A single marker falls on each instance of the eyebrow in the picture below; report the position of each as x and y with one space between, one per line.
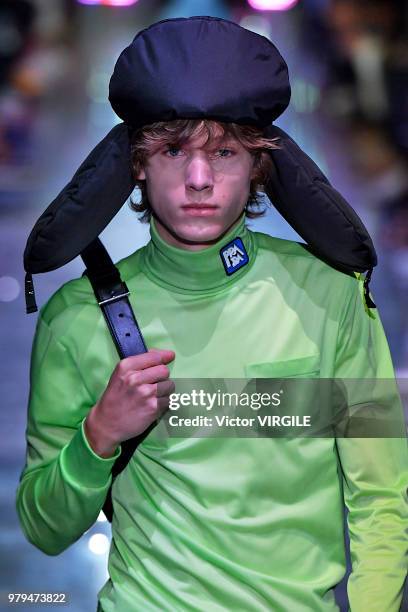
215 143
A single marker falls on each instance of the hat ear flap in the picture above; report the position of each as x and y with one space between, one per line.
85 206
316 211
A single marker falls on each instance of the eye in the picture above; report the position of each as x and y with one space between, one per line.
228 152
171 149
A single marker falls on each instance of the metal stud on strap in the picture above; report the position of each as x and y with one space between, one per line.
114 298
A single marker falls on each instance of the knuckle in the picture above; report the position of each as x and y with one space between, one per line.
164 371
120 367
146 391
134 379
152 405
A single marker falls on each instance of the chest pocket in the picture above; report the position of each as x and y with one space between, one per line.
299 387
301 367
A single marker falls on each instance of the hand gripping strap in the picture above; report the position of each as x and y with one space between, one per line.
112 296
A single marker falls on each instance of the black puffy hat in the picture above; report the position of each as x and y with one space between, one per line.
197 67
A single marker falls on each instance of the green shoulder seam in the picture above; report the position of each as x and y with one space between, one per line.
282 245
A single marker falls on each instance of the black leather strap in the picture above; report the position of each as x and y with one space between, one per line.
112 295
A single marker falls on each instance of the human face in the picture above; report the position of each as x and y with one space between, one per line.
198 193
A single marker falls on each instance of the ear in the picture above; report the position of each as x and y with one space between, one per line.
141 176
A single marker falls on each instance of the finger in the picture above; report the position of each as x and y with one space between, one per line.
148 376
165 388
145 360
162 405
166 355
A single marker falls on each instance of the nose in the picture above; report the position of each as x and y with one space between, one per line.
199 173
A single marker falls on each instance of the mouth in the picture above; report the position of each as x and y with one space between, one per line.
200 209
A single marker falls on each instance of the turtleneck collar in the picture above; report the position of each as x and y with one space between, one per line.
185 271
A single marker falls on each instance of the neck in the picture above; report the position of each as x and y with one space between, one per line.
174 240
208 269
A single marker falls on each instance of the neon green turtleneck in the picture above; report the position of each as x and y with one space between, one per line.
221 524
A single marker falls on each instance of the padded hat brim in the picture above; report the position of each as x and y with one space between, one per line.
103 182
315 209
85 206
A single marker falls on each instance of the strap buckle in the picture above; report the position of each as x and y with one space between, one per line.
114 298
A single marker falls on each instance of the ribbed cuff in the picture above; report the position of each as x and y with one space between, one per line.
82 466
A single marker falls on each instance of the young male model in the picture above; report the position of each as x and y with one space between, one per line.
212 523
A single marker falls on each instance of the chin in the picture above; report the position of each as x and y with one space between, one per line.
205 233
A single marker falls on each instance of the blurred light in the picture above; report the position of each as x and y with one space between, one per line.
98 544
9 288
99 116
101 517
10 38
272 5
98 86
189 8
305 96
257 24
109 2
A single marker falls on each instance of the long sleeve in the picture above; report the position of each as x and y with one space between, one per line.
374 469
64 483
